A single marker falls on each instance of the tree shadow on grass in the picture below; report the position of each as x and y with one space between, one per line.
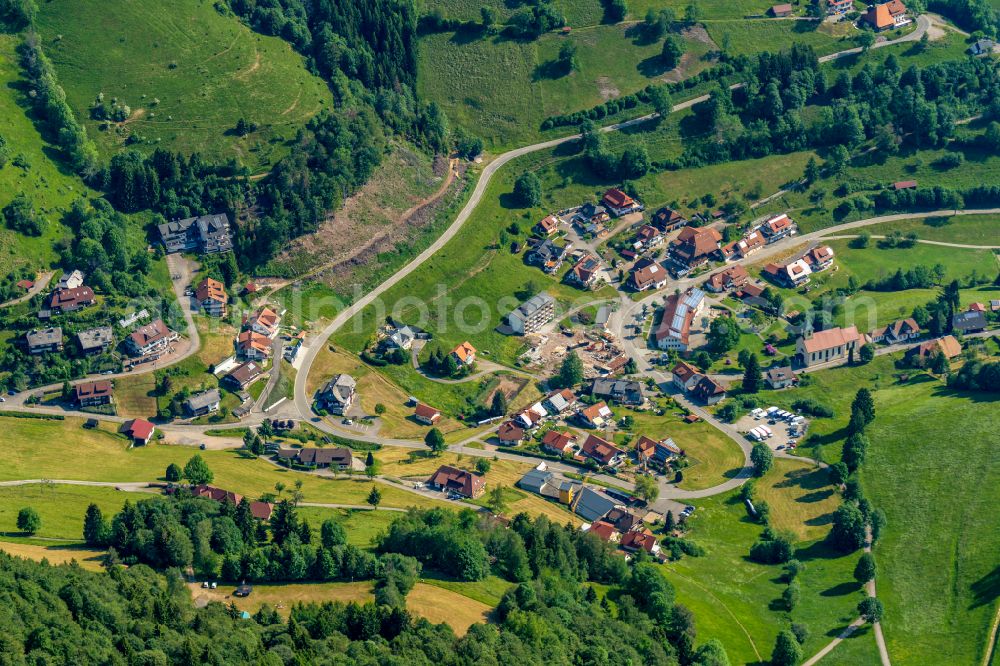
986 589
818 550
652 66
841 589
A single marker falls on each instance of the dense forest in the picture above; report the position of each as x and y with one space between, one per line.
550 613
136 616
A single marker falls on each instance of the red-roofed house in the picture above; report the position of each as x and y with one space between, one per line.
777 228
733 277
596 415
458 481
510 433
547 226
603 451
685 376
263 322
620 203
643 540
252 346
647 274
465 354
708 391
558 442
647 237
887 16
90 394
426 414
211 296
693 246
605 531
819 258
140 431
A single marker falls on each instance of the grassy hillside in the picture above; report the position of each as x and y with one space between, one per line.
205 69
502 89
932 468
32 169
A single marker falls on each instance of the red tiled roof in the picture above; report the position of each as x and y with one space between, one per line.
617 199
464 351
138 429
463 482
636 540
426 411
603 529
211 290
600 449
830 338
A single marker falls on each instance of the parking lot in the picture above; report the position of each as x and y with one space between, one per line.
782 432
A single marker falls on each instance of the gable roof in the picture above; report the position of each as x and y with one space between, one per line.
585 269
635 540
707 388
732 274
617 199
425 411
138 429
595 411
684 371
557 440
780 374
646 272
830 338
592 504
510 432
253 340
603 529
459 480
697 242
211 290
464 352
150 333
549 223
600 449
65 298
245 372
99 389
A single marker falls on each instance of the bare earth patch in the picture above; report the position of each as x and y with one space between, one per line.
607 89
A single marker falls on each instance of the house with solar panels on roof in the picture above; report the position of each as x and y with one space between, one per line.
679 313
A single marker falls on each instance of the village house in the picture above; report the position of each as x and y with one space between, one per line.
338 458
259 510
622 391
43 340
708 391
547 255
559 402
830 345
531 417
780 377
620 203
337 395
660 452
970 321
426 415
559 443
510 433
886 16
243 376
733 277
693 246
140 431
92 394
839 6
647 237
206 402
819 258
750 244
263 322
947 345
458 481
401 338
464 354
790 275
679 312
647 274
603 451
604 530
592 219
547 226
69 300
685 376
206 234
70 280
596 415
644 540
585 272
153 337
252 346
211 296
95 340
667 220
778 227
532 315
25 285
901 330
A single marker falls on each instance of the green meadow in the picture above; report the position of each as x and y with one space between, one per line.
188 73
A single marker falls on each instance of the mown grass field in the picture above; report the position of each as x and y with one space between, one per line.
102 455
53 503
932 469
750 37
968 229
32 169
85 557
206 69
738 601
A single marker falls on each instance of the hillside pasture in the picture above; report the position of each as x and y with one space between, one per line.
188 73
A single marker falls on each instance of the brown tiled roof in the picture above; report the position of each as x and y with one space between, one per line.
830 338
510 432
618 199
98 389
425 411
685 370
463 482
464 351
211 290
600 449
65 298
